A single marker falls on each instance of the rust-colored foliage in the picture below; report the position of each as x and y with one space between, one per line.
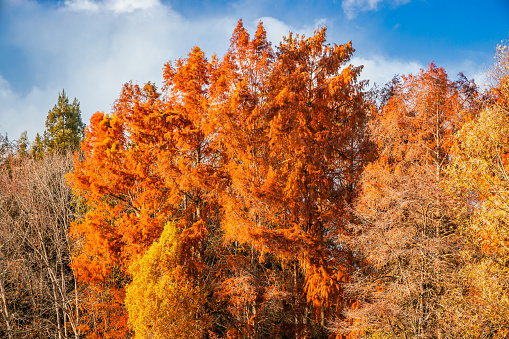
254 158
140 168
295 143
406 240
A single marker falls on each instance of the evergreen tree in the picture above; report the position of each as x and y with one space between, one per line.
5 150
22 145
37 149
64 128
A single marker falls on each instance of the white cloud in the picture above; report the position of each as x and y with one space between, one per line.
353 7
127 6
379 69
23 112
92 48
471 70
277 29
82 5
117 6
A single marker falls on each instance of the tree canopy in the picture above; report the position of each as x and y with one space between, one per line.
265 146
64 128
265 193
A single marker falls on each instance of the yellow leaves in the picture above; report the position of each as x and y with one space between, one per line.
161 300
478 174
488 286
480 166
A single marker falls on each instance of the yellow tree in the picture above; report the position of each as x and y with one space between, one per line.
162 302
479 173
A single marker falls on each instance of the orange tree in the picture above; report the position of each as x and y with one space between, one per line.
253 158
138 169
296 144
407 242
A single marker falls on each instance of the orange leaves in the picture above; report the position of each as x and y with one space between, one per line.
266 145
422 116
406 238
288 139
322 288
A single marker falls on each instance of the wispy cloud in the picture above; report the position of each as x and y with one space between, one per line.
379 70
117 6
353 7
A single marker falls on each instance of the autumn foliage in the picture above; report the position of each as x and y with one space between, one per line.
262 146
406 239
478 173
264 194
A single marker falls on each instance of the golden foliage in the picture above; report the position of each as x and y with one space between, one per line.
161 300
479 174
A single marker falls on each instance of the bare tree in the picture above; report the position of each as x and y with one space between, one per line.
38 292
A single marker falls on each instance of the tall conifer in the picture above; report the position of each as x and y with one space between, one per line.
64 128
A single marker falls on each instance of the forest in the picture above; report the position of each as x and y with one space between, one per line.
267 193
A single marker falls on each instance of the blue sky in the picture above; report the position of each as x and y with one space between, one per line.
92 47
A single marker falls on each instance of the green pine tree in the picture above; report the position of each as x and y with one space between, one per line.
22 145
37 149
64 128
6 149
